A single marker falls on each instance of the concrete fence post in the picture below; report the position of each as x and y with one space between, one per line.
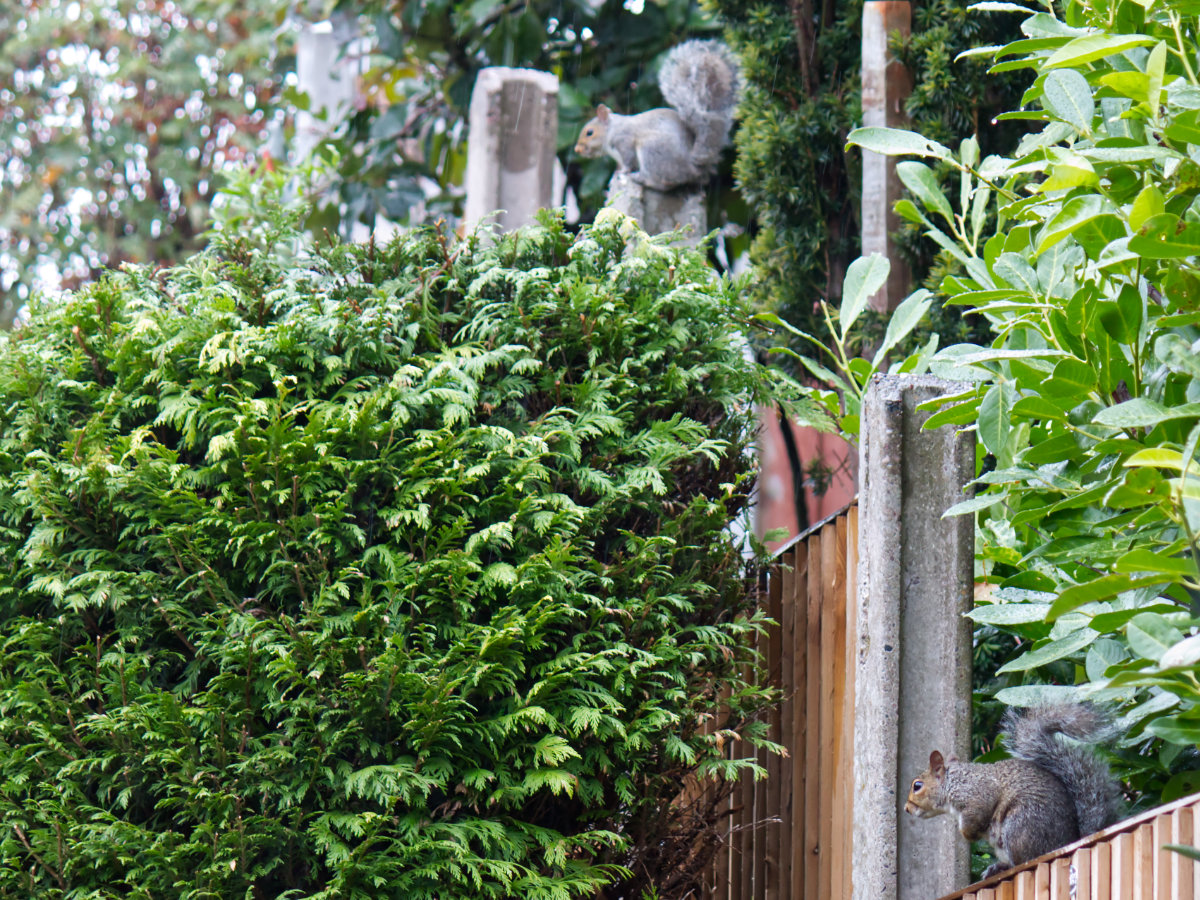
510 152
658 212
328 73
885 86
912 661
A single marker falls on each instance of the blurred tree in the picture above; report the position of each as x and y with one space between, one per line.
115 116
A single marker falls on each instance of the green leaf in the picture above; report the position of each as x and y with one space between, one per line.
995 417
1137 487
1141 412
1067 95
973 505
895 142
1071 378
1185 129
904 319
1143 560
1076 213
1150 636
1016 271
1050 651
921 181
1038 695
1135 85
1035 407
1166 237
1177 731
1102 655
1009 613
1148 203
1155 68
1178 355
1102 588
1094 46
864 278
1161 457
1184 654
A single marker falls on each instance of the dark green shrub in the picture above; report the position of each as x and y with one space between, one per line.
372 572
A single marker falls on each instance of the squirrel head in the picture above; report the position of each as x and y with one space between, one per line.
591 139
924 794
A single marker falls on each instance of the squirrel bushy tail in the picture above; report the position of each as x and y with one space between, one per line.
703 93
1034 736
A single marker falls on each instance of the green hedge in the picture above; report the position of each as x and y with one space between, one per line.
373 572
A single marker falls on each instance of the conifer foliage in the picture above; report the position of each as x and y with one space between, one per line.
374 571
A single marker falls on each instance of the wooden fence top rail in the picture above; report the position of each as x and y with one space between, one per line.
1125 825
812 529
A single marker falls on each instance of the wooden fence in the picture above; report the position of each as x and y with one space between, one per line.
1124 862
789 836
783 841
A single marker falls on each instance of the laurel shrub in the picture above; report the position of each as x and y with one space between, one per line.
363 571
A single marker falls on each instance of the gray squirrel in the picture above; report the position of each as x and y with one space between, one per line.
1049 794
666 148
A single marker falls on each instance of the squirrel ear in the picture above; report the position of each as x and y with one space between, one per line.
936 763
602 112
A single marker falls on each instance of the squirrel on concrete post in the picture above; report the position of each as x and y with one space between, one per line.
1049 794
664 149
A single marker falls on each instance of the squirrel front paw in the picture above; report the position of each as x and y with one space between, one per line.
994 869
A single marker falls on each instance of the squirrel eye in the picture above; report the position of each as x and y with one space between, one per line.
917 785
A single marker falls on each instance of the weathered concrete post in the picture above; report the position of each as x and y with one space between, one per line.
510 154
658 212
885 86
913 645
327 74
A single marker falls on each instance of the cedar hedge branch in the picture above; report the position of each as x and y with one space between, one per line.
375 571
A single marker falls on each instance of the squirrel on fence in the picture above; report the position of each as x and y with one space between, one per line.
666 148
1049 794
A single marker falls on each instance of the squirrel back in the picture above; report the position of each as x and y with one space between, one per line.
1034 737
665 148
1049 794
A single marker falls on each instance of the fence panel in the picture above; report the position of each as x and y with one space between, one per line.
1124 862
788 836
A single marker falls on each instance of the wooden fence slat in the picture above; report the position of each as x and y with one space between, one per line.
812 709
1025 885
799 861
1060 879
1007 890
1181 866
1041 882
756 834
1143 862
721 860
744 858
770 789
1195 838
1081 865
835 600
1162 858
845 766
787 713
833 608
1122 867
1102 872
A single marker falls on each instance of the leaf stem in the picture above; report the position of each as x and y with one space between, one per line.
1181 52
